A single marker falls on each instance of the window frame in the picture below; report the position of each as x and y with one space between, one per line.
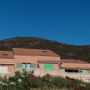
26 67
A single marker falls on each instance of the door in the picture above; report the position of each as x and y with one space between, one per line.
48 66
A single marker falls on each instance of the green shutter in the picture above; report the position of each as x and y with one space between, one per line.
19 65
84 71
48 66
33 65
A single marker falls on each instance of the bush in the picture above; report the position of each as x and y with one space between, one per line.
26 80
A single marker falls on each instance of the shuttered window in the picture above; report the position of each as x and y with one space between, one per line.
23 65
33 65
26 65
18 65
84 71
48 66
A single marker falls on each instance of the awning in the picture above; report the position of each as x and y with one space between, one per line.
49 62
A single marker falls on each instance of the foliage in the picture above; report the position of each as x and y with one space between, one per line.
26 80
65 51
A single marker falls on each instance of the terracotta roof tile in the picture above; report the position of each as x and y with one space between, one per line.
6 61
34 52
75 66
6 54
73 61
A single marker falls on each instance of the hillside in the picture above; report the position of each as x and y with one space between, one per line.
65 51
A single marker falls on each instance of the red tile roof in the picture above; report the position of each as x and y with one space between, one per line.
6 54
74 64
34 52
73 61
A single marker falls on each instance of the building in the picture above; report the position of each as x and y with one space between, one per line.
75 66
20 58
35 58
6 62
76 69
42 62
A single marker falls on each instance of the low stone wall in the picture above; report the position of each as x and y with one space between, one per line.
56 72
62 73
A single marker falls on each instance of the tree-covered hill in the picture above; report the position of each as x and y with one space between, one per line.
64 50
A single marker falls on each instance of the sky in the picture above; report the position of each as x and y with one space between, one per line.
66 21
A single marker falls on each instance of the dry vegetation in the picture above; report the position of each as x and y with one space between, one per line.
65 51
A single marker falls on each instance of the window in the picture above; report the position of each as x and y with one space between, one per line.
19 65
71 71
48 66
26 65
23 65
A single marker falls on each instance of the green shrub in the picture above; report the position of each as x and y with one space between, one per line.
26 80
